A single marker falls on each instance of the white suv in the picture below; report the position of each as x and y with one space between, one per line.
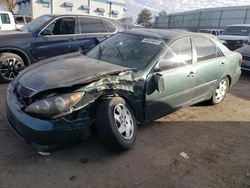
7 21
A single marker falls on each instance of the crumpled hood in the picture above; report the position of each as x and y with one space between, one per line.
232 37
64 71
14 37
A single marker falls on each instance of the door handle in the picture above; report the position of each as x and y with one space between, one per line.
191 74
222 64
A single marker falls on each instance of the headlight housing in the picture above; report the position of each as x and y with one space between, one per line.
54 106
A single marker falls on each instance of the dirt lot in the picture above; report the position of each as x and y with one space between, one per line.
216 139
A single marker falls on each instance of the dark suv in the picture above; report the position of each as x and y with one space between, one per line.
48 36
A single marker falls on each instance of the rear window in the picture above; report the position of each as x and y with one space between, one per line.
237 30
19 20
5 18
109 26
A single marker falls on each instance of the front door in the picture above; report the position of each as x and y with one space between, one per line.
58 38
177 70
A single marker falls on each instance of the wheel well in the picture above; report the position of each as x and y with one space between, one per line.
102 98
21 54
230 79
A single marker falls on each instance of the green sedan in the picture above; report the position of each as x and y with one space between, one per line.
131 78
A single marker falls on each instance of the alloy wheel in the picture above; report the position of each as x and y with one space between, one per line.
221 91
10 67
124 121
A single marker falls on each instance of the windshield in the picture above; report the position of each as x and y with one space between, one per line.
128 50
36 23
237 30
204 31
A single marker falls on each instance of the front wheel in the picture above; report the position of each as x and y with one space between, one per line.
10 66
220 92
116 124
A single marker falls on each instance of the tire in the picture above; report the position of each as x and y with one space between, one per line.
10 66
220 92
116 124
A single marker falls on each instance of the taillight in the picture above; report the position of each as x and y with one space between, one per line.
241 60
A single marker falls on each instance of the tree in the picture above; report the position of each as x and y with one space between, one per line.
163 13
9 4
144 17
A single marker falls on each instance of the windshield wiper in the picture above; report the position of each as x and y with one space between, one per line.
120 53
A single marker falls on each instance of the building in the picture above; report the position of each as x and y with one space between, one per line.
35 8
209 18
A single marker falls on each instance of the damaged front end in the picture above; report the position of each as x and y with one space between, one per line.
55 117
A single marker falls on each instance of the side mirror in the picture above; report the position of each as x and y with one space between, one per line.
46 32
160 83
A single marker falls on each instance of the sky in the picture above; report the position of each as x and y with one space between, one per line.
172 6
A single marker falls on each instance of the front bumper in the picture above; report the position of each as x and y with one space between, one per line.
45 135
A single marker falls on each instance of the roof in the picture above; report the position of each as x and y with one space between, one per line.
160 33
239 25
86 15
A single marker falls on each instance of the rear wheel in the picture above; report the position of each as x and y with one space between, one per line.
116 124
10 66
220 92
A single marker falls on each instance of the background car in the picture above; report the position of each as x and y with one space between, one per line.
22 20
235 36
245 52
133 77
215 32
49 36
7 21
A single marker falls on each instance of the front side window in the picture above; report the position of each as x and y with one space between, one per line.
128 50
62 26
5 18
179 54
205 49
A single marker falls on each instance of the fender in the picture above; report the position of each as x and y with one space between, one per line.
26 54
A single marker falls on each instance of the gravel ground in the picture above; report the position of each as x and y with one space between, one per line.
215 138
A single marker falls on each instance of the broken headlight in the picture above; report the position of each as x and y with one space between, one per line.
55 105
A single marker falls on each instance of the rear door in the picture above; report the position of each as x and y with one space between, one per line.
177 71
209 67
59 37
92 32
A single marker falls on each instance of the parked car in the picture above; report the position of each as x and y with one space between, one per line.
22 20
7 21
215 32
245 52
133 77
235 36
48 36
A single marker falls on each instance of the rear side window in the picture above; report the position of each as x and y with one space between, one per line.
109 26
179 54
205 49
92 25
5 18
